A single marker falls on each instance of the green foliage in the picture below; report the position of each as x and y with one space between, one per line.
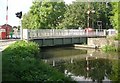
116 14
115 71
76 15
19 63
117 37
98 68
44 14
109 48
23 49
103 11
115 19
27 20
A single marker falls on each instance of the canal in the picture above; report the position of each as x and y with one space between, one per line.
83 64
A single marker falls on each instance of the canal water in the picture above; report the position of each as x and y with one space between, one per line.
83 64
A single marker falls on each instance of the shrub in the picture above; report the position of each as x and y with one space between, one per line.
22 49
20 64
117 37
108 48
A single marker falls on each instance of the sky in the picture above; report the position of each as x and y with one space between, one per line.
15 6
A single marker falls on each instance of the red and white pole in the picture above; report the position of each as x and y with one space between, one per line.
7 13
6 18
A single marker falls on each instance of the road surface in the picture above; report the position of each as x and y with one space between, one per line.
5 43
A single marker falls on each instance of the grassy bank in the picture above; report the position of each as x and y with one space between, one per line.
110 48
117 36
20 63
112 44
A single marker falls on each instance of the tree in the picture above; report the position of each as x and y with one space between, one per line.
98 68
115 17
76 15
44 14
26 21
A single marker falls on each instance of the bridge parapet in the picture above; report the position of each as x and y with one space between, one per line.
53 33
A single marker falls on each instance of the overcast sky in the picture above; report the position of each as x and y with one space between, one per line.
13 7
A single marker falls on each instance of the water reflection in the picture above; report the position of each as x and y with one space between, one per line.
82 66
94 69
60 52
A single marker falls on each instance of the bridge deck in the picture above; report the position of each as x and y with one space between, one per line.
61 33
52 37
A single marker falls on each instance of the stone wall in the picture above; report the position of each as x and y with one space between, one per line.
97 41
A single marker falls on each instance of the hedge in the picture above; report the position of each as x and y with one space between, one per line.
20 63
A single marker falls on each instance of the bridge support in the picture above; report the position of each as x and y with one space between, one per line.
99 42
60 41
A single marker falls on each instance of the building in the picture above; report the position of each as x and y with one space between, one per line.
6 29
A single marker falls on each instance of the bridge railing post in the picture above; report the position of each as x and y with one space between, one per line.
96 32
26 34
105 32
68 32
31 35
52 32
80 32
36 33
86 32
40 32
61 33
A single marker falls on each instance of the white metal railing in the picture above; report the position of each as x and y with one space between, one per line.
41 33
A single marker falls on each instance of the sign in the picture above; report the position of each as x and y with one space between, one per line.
2 30
99 23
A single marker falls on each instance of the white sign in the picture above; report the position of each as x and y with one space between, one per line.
2 30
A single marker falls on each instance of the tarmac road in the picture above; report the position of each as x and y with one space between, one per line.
6 42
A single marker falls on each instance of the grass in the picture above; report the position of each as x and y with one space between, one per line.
109 48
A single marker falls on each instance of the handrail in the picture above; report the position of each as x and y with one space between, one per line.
38 33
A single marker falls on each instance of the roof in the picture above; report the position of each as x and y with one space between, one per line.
5 25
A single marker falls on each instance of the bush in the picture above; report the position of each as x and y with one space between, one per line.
117 37
108 48
20 64
22 49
